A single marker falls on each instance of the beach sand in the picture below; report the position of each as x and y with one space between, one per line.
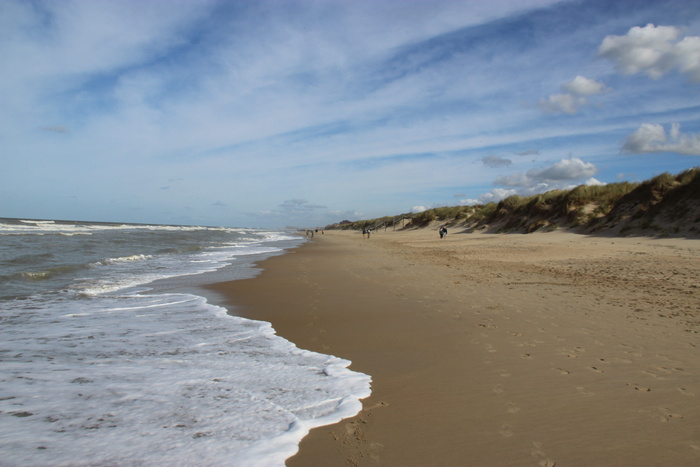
495 350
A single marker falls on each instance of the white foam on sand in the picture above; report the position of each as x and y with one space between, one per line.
163 379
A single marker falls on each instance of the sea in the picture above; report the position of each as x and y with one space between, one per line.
112 354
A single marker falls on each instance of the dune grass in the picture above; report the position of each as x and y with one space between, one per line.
664 205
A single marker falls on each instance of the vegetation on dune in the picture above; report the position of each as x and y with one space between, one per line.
666 205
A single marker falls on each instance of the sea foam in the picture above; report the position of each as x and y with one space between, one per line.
164 379
105 361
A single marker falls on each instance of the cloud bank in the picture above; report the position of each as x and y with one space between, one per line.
654 50
577 94
652 138
566 170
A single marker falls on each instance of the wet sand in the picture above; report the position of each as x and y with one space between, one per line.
493 350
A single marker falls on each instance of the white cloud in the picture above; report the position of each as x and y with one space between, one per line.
688 57
582 86
651 137
564 170
496 195
417 209
576 95
654 50
594 182
514 180
469 202
492 196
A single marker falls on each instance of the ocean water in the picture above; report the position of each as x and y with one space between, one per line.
109 355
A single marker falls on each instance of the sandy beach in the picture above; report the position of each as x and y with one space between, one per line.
492 350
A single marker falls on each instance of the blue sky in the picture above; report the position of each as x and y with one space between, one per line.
307 112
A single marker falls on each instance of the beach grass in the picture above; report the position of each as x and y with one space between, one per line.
666 205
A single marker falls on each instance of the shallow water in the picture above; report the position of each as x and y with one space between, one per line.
102 366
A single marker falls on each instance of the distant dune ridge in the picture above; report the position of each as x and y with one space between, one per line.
664 206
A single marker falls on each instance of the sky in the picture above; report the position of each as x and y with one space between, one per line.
308 112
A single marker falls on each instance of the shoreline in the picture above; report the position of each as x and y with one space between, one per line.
489 349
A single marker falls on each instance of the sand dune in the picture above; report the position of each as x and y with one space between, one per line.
541 349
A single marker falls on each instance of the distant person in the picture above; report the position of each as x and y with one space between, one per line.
364 233
368 232
443 232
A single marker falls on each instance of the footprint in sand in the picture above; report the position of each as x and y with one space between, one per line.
685 392
506 431
668 415
584 391
353 430
504 374
527 356
544 459
595 369
639 388
498 389
376 406
513 407
375 450
562 371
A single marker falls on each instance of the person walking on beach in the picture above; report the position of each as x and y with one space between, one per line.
443 232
